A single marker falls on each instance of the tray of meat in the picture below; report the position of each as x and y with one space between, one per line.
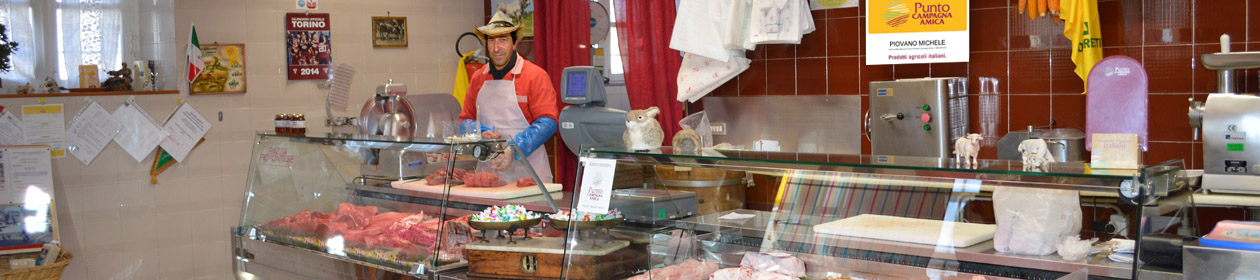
484 180
438 178
478 184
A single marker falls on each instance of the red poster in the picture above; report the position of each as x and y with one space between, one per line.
308 41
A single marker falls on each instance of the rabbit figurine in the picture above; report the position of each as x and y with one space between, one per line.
687 142
643 132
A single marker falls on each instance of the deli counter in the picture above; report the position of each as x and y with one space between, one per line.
312 211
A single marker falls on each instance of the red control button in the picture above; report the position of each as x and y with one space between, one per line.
925 117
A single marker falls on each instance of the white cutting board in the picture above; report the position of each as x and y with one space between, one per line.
921 231
508 191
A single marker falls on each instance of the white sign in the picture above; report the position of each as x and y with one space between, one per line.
185 129
45 124
90 131
11 130
597 181
23 168
917 31
139 134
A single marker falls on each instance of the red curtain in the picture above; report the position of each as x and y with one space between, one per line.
562 34
651 67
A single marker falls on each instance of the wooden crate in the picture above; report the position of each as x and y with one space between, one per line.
723 190
543 258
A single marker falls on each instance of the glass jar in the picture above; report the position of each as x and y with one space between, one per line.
299 124
281 126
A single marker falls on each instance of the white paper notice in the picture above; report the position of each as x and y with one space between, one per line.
139 134
25 167
597 180
45 124
11 130
184 129
90 131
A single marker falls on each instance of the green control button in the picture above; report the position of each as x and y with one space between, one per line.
927 127
927 108
1234 147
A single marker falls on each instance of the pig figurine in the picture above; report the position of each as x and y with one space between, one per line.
1035 154
965 150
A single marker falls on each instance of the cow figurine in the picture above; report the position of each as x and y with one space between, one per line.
1035 154
965 150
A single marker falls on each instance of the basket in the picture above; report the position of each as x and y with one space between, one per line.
52 271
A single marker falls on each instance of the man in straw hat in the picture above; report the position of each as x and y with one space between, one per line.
513 98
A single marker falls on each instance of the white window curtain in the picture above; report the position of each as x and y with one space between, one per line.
56 36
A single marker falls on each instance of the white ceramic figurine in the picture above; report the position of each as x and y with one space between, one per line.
643 132
1035 153
966 149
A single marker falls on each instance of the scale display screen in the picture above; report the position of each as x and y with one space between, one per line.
577 84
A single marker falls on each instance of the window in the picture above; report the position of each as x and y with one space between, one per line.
613 69
56 36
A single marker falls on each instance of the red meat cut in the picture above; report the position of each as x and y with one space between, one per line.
439 177
525 182
484 180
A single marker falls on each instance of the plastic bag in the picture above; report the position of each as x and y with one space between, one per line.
700 123
1033 221
1072 248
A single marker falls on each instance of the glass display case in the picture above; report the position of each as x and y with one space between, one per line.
884 217
363 206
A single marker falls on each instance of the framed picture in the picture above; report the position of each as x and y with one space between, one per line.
389 31
225 70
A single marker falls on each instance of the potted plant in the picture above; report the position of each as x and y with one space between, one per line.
6 48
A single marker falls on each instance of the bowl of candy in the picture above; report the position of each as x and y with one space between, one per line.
507 218
584 221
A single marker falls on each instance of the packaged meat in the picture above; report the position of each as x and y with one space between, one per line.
774 262
484 180
735 273
525 182
766 275
690 269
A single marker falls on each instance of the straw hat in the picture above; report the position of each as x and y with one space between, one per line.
499 24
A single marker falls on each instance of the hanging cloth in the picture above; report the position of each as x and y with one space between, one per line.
461 79
1082 27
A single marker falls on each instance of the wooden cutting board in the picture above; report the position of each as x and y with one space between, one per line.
508 191
920 231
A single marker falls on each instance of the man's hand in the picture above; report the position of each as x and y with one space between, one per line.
490 135
503 161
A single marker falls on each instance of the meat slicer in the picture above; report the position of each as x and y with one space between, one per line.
1230 124
391 113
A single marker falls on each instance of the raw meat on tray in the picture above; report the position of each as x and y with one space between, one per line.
484 180
439 177
412 235
525 182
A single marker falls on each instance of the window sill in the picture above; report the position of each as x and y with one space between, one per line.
94 93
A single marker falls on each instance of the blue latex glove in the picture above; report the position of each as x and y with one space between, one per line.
534 136
463 126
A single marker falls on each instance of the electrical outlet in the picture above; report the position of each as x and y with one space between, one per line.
718 128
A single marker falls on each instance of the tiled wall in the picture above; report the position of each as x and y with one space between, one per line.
121 227
1031 59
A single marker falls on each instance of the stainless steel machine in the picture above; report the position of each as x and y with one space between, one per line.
391 113
1230 124
917 117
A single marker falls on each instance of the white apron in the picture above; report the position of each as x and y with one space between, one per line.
497 108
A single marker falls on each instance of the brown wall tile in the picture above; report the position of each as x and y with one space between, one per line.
1215 17
1167 22
907 71
1167 68
753 81
981 4
1066 111
1030 72
781 77
955 69
988 28
811 76
779 51
1158 152
1028 110
815 43
1063 77
871 73
1121 17
988 64
842 76
843 36
1166 120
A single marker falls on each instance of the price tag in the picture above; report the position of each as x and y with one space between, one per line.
597 181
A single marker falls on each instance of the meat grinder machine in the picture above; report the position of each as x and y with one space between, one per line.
1230 124
391 113
916 117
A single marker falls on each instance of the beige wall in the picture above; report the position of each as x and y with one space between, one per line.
120 226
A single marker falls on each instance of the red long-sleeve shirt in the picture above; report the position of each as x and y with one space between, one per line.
534 92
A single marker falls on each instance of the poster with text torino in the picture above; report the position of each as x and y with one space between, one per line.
917 31
308 43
